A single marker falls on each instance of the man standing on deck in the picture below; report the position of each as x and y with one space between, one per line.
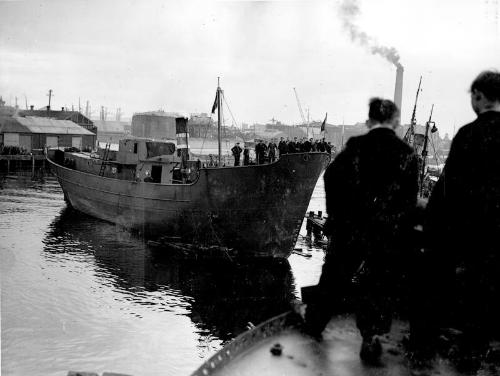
371 192
246 156
260 151
282 147
306 145
272 147
463 223
236 150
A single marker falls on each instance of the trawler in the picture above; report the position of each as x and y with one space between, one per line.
157 188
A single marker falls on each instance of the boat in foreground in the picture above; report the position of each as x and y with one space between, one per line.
278 347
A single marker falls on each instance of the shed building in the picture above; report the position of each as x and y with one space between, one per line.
74 116
36 132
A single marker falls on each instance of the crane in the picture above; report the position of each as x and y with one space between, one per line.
300 107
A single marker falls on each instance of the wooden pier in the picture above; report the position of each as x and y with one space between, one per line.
315 224
13 163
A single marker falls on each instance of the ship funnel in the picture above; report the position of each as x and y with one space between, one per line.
398 89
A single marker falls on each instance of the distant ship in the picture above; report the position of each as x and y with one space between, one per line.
154 187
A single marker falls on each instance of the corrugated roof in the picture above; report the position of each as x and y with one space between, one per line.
60 115
9 124
51 126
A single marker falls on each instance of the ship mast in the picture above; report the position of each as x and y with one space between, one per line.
219 104
424 149
410 133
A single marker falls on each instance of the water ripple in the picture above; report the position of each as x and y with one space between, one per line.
82 294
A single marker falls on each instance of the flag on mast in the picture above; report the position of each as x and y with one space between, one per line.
216 102
324 123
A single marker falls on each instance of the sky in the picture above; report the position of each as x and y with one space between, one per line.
150 55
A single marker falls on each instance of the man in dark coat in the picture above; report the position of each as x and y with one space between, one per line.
246 157
260 151
306 146
236 150
298 145
272 147
282 147
371 192
322 145
463 221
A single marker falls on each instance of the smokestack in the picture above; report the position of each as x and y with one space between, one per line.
398 89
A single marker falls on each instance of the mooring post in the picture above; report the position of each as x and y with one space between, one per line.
32 165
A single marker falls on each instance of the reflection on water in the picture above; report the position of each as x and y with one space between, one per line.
82 294
220 297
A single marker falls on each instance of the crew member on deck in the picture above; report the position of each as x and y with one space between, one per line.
236 150
272 147
371 192
260 151
282 147
306 145
246 157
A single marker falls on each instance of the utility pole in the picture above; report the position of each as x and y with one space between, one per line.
16 103
50 95
87 110
26 101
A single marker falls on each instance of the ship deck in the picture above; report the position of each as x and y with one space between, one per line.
336 354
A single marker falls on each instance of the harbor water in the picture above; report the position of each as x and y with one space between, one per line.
85 295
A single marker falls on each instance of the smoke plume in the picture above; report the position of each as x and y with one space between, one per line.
348 11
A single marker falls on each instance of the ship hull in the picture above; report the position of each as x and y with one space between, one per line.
255 210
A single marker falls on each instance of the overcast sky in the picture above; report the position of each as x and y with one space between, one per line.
146 55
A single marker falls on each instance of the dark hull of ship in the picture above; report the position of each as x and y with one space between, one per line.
255 210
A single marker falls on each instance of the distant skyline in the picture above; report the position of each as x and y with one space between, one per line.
146 55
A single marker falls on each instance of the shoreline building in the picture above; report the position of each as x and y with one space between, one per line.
31 134
74 116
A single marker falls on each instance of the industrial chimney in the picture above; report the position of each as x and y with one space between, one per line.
398 89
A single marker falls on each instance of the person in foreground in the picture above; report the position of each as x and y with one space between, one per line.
371 193
463 225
